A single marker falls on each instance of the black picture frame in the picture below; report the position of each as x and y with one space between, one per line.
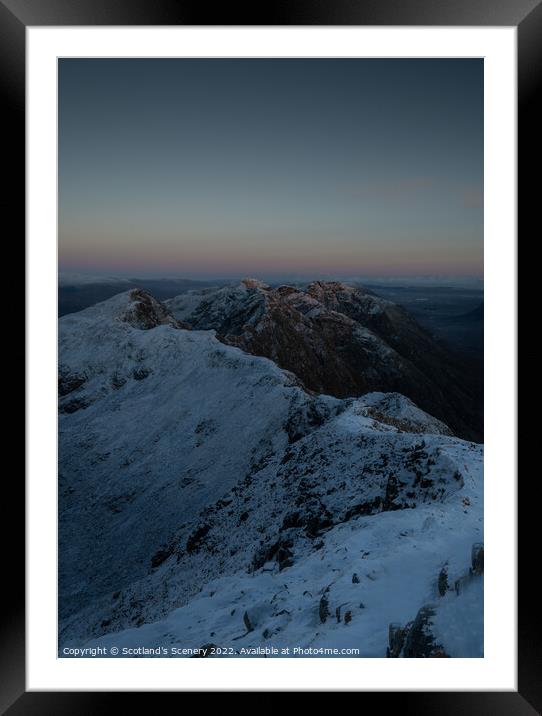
15 17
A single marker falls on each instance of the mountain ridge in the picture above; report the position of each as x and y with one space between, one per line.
191 471
340 340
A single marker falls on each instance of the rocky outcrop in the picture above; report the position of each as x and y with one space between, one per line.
145 312
417 638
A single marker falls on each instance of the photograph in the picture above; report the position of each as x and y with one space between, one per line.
270 357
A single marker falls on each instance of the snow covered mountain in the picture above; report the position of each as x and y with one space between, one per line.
206 497
340 340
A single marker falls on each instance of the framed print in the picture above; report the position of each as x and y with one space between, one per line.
271 367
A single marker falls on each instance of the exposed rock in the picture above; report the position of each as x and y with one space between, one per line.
443 581
293 520
279 551
247 622
72 406
68 382
145 312
477 559
323 608
284 558
416 639
197 538
419 641
364 508
338 613
396 639
161 556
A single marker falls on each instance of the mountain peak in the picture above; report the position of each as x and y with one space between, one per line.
144 311
330 285
322 289
135 307
255 283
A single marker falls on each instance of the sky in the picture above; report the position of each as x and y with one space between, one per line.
274 168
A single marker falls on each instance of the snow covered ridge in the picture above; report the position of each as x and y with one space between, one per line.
340 340
205 497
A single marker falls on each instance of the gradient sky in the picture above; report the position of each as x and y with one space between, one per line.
271 168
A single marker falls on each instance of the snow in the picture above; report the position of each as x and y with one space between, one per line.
397 556
459 622
185 304
400 413
183 461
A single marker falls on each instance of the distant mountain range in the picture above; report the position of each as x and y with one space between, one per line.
209 497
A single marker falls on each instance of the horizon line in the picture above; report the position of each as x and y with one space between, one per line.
88 276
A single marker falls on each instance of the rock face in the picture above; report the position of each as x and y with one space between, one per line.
144 311
198 482
455 620
419 641
343 341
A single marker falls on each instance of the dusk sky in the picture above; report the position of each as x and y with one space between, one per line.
271 168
